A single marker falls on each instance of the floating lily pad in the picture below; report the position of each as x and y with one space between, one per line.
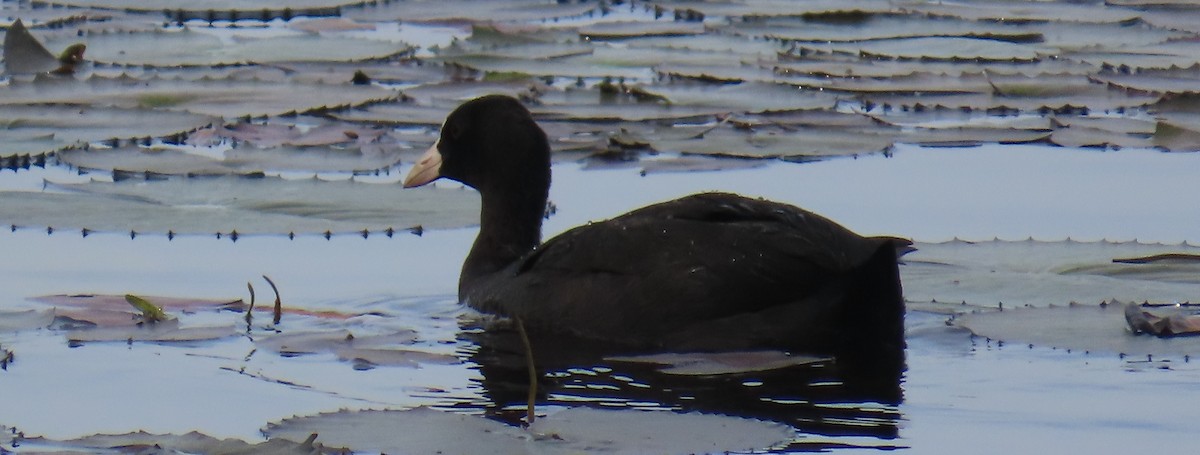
24 54
470 10
934 48
14 321
1019 12
707 363
1164 324
228 99
1019 273
195 48
42 128
778 143
420 430
217 9
193 442
1082 136
1171 81
158 332
632 29
1078 327
245 205
584 429
735 8
576 430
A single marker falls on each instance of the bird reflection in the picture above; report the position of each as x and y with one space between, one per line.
836 402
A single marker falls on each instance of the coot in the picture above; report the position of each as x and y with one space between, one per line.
706 272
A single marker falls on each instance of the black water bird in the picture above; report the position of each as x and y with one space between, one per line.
706 272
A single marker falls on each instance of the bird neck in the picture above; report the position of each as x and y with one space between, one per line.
510 226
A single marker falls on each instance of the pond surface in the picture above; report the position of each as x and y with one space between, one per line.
960 394
950 123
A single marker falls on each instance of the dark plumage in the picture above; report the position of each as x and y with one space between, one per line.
710 271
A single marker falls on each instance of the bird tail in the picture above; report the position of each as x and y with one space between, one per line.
873 326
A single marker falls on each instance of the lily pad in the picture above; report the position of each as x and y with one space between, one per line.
708 363
588 430
1174 323
934 48
420 430
205 9
1014 274
193 442
632 29
43 128
576 430
242 205
228 99
1098 329
195 48
778 143
470 10
15 321
158 332
24 54
241 161
1019 12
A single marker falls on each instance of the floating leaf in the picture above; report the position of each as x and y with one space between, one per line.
1019 273
477 10
109 311
228 99
1078 327
582 429
120 302
217 9
242 160
1019 12
631 29
242 205
42 128
1082 136
1182 82
24 54
778 143
193 442
1174 324
420 430
708 363
423 430
165 331
195 48
933 48
769 8
15 321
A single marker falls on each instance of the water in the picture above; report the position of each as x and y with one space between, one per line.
959 395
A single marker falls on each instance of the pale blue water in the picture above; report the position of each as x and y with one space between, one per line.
961 395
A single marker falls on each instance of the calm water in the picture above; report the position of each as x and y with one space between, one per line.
959 395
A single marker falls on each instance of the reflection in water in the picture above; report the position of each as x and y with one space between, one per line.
831 405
